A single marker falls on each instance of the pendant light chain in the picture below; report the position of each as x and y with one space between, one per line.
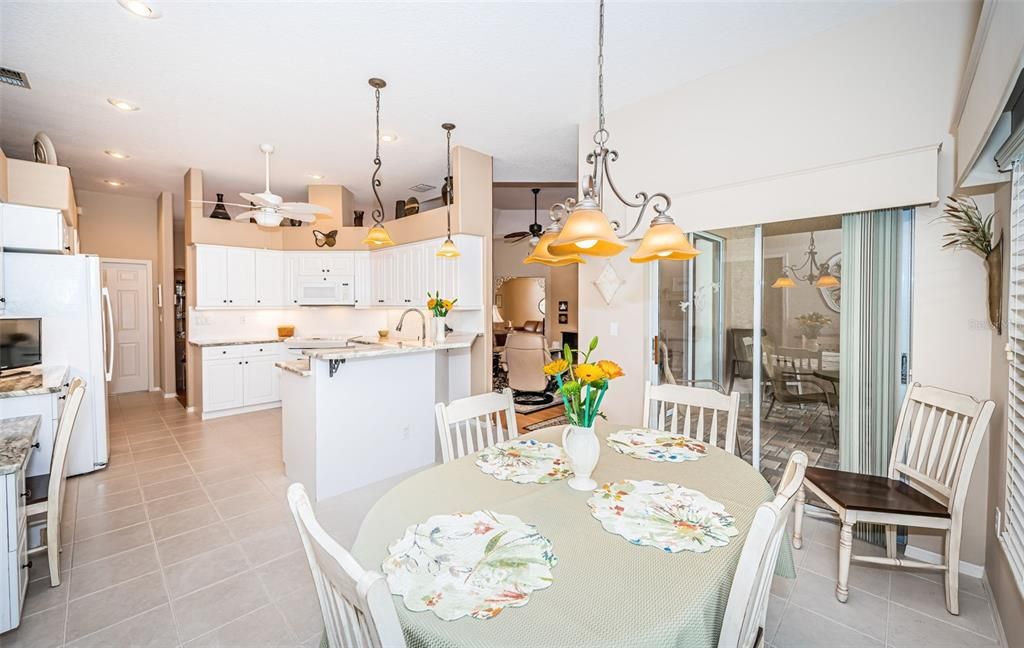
378 214
449 180
601 136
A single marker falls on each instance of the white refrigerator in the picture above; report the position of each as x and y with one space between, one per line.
67 293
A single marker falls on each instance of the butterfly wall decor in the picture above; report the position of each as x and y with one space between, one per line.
329 239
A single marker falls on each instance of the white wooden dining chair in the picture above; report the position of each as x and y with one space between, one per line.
46 492
747 607
669 403
938 435
355 603
468 425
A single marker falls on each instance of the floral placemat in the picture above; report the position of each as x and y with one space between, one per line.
655 445
468 563
667 516
526 461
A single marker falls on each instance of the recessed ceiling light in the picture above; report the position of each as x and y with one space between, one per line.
117 155
317 176
114 183
121 104
388 137
139 8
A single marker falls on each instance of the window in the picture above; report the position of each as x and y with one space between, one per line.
1012 533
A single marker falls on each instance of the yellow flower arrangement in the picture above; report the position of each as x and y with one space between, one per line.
439 307
556 367
582 386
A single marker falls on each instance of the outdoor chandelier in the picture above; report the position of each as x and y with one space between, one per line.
377 236
587 230
448 248
818 274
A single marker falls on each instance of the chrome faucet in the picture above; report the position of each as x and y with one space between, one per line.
423 322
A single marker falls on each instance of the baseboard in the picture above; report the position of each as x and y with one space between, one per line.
171 395
966 568
240 410
155 389
1000 630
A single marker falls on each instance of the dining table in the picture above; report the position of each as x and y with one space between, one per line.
606 591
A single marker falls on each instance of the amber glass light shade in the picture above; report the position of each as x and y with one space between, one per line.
448 249
827 281
586 232
542 253
664 242
378 237
785 281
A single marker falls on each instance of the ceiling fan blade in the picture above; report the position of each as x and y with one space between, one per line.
305 217
259 199
291 207
218 202
244 216
515 237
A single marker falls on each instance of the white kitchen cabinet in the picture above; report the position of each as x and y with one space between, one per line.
48 408
241 276
331 263
361 277
225 276
261 380
240 378
270 278
33 229
379 278
223 386
13 547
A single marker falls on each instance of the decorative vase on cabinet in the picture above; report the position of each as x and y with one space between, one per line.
439 330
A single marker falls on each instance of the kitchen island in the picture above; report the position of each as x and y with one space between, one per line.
360 413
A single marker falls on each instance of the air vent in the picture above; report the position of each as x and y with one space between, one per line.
14 78
420 188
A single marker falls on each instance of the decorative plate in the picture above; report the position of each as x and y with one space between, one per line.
526 461
655 445
468 563
667 516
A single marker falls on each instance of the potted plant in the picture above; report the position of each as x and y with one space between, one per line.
582 386
440 309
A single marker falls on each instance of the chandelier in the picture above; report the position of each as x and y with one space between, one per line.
587 231
818 275
377 236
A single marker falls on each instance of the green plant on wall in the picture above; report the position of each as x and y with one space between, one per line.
975 232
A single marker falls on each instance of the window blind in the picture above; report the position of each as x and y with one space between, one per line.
1012 534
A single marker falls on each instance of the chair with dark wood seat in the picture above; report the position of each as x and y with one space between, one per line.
938 434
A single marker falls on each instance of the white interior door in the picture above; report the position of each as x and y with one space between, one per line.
128 285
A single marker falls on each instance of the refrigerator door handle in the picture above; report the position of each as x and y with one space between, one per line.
110 334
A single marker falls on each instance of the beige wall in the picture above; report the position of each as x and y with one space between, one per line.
124 227
561 283
1008 598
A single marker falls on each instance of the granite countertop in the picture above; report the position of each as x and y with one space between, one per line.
378 347
214 342
297 367
46 379
16 438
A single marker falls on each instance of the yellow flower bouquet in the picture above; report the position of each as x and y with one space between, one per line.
582 385
439 307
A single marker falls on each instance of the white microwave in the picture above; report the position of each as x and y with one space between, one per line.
327 291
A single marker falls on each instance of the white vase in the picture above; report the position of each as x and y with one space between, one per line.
583 449
439 333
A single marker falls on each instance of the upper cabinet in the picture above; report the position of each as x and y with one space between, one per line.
35 229
396 277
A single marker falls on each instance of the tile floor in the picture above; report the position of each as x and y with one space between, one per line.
186 540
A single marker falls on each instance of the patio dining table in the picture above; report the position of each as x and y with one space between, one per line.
605 590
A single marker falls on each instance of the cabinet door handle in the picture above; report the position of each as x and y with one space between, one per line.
259 301
27 565
62 397
35 445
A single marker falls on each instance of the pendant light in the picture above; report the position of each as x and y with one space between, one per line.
448 248
588 231
541 252
818 275
377 236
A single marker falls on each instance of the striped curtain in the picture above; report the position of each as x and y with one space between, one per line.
869 374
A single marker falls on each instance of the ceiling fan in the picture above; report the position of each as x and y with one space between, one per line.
268 209
535 229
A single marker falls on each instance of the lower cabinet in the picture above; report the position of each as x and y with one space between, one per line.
49 408
13 547
240 378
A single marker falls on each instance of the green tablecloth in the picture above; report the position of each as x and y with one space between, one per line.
606 591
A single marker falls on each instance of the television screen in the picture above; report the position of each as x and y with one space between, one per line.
20 343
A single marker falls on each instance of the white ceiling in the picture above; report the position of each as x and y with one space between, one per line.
214 80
